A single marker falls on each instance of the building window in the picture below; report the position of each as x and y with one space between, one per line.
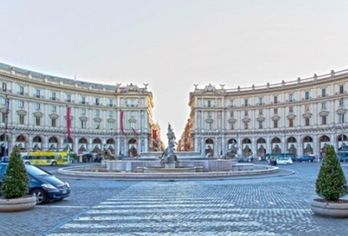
275 99
53 96
307 95
110 114
231 102
21 90
246 102
97 125
291 97
275 124
83 100
97 101
110 103
68 97
341 102
246 113
307 122
53 108
323 105
208 103
231 113
97 113
291 109
110 125
54 122
4 86
21 119
323 92
260 112
83 124
307 107
246 125
3 117
260 100
341 89
323 120
260 125
37 93
83 112
291 122
37 121
275 110
37 106
20 104
341 118
231 126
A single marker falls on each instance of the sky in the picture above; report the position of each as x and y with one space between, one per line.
173 44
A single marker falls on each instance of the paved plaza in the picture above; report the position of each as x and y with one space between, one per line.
277 205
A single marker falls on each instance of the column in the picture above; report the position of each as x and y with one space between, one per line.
29 142
253 146
299 145
268 145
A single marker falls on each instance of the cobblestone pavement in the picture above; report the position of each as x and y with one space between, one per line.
244 206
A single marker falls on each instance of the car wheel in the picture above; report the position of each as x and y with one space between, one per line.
53 163
40 194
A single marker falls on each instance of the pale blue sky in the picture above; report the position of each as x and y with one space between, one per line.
173 44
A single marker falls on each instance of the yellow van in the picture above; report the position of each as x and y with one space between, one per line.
46 158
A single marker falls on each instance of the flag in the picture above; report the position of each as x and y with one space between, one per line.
121 122
68 121
154 133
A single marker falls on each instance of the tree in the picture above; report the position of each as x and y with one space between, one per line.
331 181
16 178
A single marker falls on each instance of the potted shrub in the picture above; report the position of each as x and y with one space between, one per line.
14 188
330 186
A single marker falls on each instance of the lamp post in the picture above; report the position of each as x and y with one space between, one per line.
7 107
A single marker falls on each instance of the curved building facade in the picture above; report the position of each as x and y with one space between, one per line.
43 112
297 117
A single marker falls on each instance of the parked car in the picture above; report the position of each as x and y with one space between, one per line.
309 158
342 156
45 186
284 160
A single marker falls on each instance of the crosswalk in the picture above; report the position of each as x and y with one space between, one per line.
154 214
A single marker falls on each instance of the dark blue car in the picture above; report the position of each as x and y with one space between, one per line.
308 158
45 186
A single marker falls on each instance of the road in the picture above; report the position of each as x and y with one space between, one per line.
277 205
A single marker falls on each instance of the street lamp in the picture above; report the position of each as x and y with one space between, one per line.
7 107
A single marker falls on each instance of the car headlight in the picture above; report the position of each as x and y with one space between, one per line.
67 184
49 187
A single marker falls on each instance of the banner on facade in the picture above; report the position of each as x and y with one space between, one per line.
68 121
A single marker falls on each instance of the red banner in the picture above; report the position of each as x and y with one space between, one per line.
121 122
68 121
154 134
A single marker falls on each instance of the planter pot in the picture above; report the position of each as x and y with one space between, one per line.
17 204
337 209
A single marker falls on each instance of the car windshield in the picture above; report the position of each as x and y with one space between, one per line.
35 171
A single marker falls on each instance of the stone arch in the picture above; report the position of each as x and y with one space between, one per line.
209 147
341 140
292 145
96 145
246 147
21 142
261 147
276 142
82 144
308 145
132 147
110 143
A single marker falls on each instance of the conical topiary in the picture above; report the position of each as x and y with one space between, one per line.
16 178
331 181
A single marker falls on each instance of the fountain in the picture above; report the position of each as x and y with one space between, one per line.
172 165
168 157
